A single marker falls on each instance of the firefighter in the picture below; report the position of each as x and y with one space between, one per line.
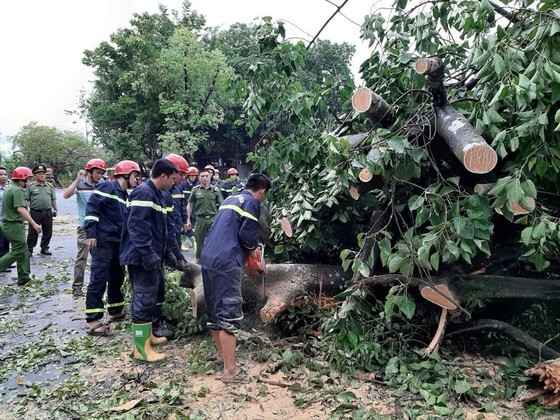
178 196
14 214
86 181
188 184
231 239
203 203
147 242
103 227
232 184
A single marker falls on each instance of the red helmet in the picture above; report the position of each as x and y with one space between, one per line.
210 168
232 171
21 172
179 161
96 164
192 171
49 170
125 167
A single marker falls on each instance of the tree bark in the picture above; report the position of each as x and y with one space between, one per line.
374 106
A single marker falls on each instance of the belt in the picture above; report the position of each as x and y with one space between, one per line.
40 211
206 216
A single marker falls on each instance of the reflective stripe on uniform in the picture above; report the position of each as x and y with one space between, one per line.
239 210
114 197
94 218
95 310
141 203
182 195
113 305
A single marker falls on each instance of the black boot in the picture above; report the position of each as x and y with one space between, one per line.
159 330
45 251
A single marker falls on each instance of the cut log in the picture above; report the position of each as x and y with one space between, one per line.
286 227
441 296
365 175
374 106
280 287
434 71
354 193
466 144
515 207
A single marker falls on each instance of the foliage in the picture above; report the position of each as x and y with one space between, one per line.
155 88
64 151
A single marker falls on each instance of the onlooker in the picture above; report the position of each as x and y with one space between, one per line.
147 242
4 244
84 184
103 226
231 239
203 203
41 199
14 213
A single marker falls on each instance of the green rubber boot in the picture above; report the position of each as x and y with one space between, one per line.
143 351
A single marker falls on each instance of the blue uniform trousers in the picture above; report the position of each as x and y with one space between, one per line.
147 294
106 273
222 293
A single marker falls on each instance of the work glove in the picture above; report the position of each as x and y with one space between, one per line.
171 260
151 265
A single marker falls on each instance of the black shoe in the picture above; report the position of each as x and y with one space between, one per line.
23 282
162 331
77 293
46 252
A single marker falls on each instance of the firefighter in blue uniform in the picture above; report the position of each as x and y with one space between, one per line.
188 184
148 241
232 184
178 196
233 236
103 228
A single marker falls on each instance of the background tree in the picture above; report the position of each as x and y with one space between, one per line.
64 151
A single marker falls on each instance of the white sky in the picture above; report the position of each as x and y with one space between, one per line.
42 44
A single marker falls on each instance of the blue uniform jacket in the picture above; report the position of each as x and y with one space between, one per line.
235 230
148 226
179 207
104 212
231 187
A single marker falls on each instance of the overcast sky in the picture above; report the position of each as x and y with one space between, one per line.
42 44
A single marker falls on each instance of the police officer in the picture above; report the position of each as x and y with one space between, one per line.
86 181
232 184
103 227
14 213
203 203
231 239
147 242
41 199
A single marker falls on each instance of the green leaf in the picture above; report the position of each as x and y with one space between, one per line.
461 387
415 202
407 306
452 248
464 227
442 410
434 260
394 263
529 188
514 190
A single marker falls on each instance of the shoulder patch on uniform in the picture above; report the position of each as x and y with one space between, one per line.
241 199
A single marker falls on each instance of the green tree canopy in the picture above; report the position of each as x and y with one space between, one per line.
64 151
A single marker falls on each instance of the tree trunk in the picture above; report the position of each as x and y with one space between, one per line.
374 106
467 145
280 286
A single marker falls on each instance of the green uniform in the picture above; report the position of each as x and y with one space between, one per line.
40 196
206 202
13 228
